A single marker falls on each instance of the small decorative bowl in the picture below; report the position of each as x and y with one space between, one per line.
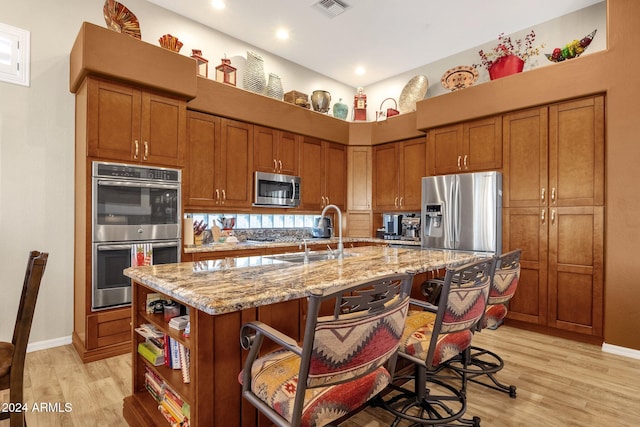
170 42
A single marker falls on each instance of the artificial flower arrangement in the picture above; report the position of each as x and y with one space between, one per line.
522 48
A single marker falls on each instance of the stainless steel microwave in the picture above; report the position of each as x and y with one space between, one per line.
276 190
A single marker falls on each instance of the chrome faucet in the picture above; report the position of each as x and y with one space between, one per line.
337 209
306 250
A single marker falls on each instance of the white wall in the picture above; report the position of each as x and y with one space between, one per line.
37 134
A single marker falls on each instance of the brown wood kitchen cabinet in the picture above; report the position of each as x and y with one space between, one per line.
554 211
131 125
466 147
219 162
398 168
323 174
275 151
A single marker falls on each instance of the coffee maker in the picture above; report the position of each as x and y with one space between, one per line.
411 227
392 226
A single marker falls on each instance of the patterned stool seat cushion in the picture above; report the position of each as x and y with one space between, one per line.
417 337
275 377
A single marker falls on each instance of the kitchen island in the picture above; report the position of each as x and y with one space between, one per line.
223 294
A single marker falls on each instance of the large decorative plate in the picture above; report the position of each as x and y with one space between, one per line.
459 77
414 91
120 19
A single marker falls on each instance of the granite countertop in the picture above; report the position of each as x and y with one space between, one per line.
233 284
213 247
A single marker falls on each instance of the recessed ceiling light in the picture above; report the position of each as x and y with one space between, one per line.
360 70
218 4
282 33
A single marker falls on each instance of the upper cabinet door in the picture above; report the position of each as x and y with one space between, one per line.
264 149
311 176
445 149
288 153
335 174
412 168
203 133
525 153
113 121
385 177
234 170
482 146
576 153
130 125
163 129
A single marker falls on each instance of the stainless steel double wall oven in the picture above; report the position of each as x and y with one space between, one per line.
131 205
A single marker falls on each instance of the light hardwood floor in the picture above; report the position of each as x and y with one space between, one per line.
560 383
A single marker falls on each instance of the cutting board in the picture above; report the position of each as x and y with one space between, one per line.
216 232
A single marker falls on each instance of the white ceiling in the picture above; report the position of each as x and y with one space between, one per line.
386 37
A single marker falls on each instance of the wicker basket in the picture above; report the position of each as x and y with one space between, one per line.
297 98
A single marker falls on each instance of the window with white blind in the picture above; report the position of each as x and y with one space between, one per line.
14 55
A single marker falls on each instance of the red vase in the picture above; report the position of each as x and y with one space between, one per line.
505 66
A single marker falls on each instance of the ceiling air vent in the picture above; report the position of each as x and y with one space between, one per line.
331 8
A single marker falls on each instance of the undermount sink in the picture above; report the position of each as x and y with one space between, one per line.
311 257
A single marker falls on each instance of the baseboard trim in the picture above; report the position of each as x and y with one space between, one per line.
620 351
43 345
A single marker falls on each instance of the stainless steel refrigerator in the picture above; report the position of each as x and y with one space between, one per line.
462 212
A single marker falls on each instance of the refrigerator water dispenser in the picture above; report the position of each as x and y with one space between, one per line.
433 220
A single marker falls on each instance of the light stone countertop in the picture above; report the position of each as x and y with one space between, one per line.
233 284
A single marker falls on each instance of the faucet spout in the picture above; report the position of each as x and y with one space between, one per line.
337 209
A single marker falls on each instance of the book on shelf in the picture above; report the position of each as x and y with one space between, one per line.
179 322
185 363
150 352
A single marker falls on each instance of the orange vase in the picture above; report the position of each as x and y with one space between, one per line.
505 66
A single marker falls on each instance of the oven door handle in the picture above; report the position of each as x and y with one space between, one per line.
165 245
137 184
114 247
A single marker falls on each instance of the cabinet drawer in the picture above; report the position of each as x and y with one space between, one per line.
108 328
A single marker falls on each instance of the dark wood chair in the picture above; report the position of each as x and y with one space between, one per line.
12 354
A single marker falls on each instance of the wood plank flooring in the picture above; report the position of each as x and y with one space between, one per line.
560 383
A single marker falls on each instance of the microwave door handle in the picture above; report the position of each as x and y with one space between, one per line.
293 193
137 184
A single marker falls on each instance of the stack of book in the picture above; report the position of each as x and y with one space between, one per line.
179 322
175 410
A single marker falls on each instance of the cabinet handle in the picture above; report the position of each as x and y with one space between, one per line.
553 216
146 150
553 195
217 195
395 202
322 201
543 194
401 198
465 161
137 149
224 196
542 216
279 165
459 160
328 202
275 165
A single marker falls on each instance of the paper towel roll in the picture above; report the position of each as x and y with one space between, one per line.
188 231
